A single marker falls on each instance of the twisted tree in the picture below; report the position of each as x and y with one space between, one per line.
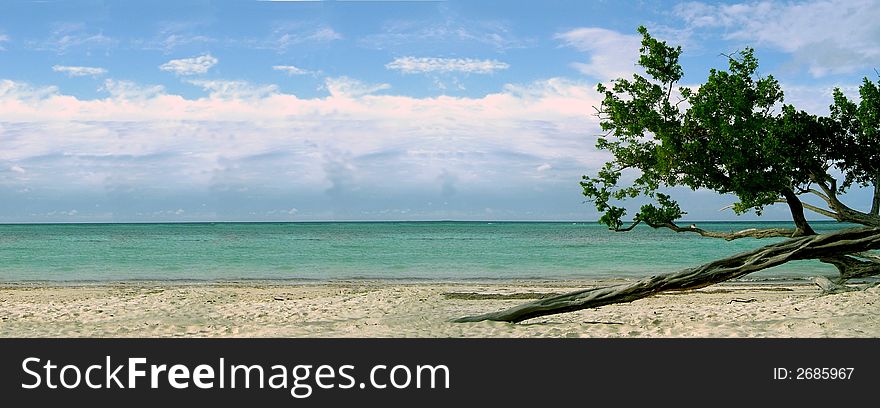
733 135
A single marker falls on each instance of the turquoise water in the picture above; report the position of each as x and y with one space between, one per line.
381 250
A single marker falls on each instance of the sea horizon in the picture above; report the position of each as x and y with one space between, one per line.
314 251
680 222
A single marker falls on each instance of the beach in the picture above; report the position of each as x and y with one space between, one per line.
422 309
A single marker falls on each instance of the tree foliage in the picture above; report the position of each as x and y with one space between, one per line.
733 134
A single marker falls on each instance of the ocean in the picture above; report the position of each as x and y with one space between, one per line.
367 250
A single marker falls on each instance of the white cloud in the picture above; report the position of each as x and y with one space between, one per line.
68 36
288 35
816 98
612 55
454 29
828 36
235 89
175 34
19 91
544 167
73 71
414 65
3 38
171 41
131 91
347 87
324 34
190 66
291 70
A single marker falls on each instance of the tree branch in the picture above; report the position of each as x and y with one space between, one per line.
813 208
818 193
633 225
868 255
844 212
730 236
810 247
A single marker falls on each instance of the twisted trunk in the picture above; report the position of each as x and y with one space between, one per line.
852 268
849 241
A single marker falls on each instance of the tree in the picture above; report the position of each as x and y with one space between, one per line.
733 135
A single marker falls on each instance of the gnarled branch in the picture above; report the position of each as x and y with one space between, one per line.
844 213
852 268
815 209
730 236
838 243
629 228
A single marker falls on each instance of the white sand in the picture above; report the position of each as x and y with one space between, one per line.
393 309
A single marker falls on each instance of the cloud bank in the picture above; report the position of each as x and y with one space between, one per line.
352 154
828 36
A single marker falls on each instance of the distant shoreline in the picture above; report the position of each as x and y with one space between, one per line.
400 222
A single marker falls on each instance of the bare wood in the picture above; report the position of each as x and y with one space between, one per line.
829 288
829 214
846 241
796 208
868 255
629 228
729 236
844 212
815 209
852 268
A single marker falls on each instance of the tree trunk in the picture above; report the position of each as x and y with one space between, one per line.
797 214
838 243
852 268
875 204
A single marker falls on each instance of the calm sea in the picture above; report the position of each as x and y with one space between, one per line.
368 250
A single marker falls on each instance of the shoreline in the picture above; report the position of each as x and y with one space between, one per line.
782 280
382 308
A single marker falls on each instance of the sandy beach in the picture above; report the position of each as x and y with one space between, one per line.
394 309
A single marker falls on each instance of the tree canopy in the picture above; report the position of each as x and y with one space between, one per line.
734 135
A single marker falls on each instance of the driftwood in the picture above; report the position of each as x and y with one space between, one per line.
831 245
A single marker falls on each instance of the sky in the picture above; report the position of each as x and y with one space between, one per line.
239 110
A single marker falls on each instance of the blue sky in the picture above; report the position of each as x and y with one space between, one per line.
118 111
